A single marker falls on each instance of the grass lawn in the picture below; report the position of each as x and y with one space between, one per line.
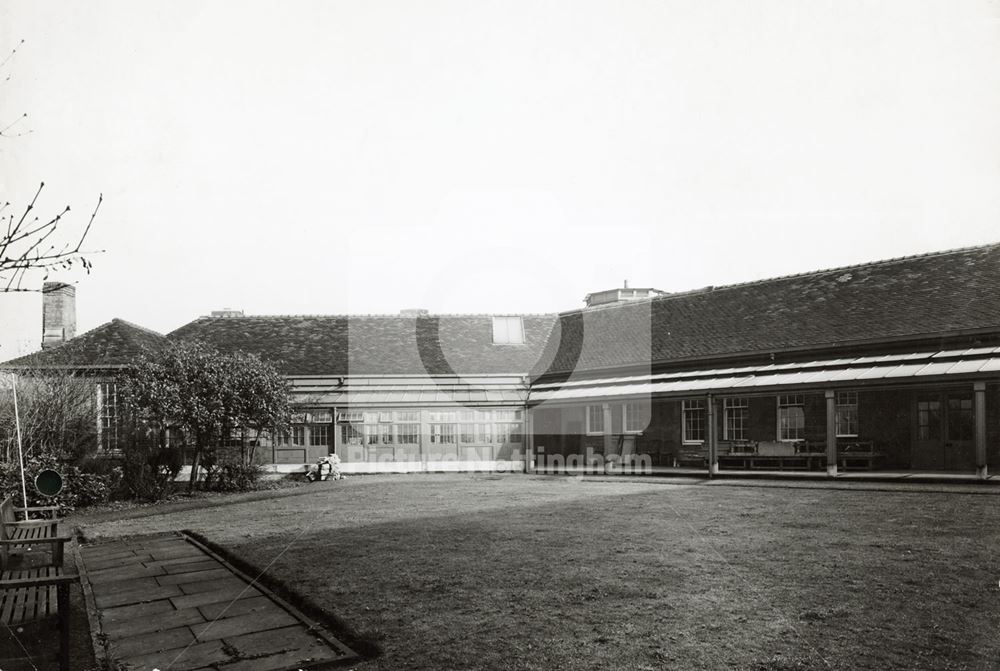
519 572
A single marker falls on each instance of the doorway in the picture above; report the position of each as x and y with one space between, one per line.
944 432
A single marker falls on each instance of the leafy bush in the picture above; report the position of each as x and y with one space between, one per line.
231 470
80 488
148 473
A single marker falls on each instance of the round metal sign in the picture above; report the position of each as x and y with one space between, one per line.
48 482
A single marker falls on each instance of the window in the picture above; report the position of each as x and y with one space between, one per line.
633 418
109 416
231 438
508 331
320 417
443 427
693 421
352 434
467 432
595 420
847 414
928 419
319 435
299 436
791 417
961 418
735 412
442 434
407 426
407 434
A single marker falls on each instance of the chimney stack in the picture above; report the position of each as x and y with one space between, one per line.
58 313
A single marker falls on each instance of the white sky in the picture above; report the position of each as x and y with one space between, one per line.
490 156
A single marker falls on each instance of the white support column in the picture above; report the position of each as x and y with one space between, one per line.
337 437
831 432
425 432
529 440
713 439
609 436
979 388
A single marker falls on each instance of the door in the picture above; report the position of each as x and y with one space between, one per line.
945 426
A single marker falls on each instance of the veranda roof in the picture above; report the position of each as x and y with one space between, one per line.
888 367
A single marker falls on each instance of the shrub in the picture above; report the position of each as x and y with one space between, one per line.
80 488
148 473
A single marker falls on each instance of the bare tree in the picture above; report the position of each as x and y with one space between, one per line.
29 242
57 411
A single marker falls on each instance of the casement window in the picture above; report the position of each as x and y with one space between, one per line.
108 416
595 420
633 417
232 438
407 426
298 436
442 434
443 428
693 421
351 434
735 414
791 417
508 331
319 435
961 418
467 429
847 414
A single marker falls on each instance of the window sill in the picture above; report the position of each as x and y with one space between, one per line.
693 442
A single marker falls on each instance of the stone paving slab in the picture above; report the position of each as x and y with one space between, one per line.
165 601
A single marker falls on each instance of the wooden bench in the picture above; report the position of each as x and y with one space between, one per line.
23 533
37 589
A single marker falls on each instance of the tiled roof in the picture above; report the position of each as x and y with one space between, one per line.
375 345
928 296
110 345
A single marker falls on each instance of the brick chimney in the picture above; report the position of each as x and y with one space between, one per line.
58 313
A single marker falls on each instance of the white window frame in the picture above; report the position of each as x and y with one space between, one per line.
626 415
729 405
700 408
587 425
847 400
508 330
107 417
314 433
791 401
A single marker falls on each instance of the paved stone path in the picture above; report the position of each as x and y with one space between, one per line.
165 602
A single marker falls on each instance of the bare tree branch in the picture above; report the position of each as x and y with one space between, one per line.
30 243
23 246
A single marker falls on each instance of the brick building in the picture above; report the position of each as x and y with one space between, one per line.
892 365
887 365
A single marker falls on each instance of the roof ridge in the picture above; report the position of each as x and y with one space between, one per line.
376 315
133 325
778 278
854 266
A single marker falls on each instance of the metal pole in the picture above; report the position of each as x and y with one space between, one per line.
20 450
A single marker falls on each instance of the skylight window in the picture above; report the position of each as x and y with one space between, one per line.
508 331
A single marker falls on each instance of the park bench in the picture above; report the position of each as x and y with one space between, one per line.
16 535
34 588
